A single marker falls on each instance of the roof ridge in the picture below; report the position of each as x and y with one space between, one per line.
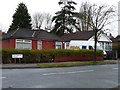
33 35
14 32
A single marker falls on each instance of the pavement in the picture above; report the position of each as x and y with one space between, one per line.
22 66
18 66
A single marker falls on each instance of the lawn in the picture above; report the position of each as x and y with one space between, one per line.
70 64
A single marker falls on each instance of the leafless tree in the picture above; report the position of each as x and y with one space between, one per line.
83 21
96 18
42 21
37 20
48 21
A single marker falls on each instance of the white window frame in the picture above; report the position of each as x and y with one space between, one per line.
23 42
67 45
58 44
110 46
39 44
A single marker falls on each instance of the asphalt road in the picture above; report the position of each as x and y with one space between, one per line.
97 76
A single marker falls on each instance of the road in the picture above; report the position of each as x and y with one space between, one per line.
97 76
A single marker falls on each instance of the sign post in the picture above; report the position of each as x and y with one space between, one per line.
17 56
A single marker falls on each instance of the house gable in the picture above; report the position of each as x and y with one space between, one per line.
101 38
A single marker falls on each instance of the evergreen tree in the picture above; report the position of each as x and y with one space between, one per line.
21 18
64 19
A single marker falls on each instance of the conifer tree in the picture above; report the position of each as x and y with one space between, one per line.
65 19
21 18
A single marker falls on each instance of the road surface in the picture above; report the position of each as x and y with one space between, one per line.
96 76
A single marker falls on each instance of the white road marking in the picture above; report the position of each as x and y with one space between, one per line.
115 68
68 72
2 77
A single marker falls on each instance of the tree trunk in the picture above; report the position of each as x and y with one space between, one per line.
95 46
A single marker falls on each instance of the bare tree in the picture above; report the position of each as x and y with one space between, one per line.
42 20
37 20
48 21
97 18
83 19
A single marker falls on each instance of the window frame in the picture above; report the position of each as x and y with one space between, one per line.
23 42
57 43
39 42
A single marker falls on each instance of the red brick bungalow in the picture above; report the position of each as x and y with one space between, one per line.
41 39
31 39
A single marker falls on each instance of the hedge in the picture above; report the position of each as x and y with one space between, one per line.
37 56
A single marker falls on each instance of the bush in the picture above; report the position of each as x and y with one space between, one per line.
37 56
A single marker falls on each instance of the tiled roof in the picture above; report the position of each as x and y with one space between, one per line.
19 33
81 35
31 34
117 39
42 34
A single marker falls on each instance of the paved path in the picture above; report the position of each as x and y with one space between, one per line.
22 66
18 66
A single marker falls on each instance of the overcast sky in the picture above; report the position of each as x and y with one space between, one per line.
8 7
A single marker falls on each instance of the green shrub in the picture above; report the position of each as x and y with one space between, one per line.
37 56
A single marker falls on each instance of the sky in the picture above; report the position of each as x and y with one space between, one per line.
8 7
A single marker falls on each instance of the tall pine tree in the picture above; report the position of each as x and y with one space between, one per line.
65 19
21 18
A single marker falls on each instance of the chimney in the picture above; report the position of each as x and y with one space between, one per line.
119 18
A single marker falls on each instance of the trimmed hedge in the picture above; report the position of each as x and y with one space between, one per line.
37 56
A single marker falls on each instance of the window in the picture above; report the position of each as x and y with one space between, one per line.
90 48
67 45
39 45
23 44
102 44
107 47
83 47
110 46
58 45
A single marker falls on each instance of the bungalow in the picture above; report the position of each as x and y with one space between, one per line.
31 39
103 39
41 39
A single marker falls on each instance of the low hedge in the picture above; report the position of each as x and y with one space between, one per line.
37 56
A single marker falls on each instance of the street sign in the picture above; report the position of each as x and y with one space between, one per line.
17 55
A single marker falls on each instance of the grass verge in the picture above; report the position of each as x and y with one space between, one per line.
70 64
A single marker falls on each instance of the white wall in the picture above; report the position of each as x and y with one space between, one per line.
104 41
102 37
